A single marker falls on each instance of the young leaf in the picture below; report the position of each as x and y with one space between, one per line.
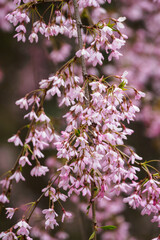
121 85
92 236
77 132
108 227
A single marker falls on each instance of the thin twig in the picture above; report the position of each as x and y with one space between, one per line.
38 200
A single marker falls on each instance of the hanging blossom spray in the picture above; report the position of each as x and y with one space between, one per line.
95 163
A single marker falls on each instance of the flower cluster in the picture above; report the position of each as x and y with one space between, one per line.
104 36
150 203
95 163
22 230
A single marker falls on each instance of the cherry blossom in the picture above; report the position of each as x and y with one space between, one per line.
8 236
50 216
17 141
23 103
23 228
66 215
17 176
94 162
23 160
10 212
134 200
39 171
3 198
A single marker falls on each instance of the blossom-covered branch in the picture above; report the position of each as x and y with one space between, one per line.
95 164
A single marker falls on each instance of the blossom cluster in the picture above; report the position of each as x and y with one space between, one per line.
22 230
95 162
104 36
142 58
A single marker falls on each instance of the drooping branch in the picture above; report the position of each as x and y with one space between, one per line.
38 200
80 46
84 73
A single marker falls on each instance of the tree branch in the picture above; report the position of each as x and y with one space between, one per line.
80 46
94 222
85 75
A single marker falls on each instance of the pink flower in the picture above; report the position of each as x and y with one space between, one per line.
117 43
66 101
107 29
50 216
23 160
121 187
17 176
102 192
10 212
119 22
39 26
3 198
34 99
51 191
134 200
66 215
51 30
133 157
151 186
83 52
139 94
5 183
22 16
54 90
39 171
20 36
156 219
123 77
115 54
51 223
59 195
31 115
38 153
15 138
8 236
95 57
23 103
42 117
86 191
33 36
21 28
131 173
23 228
50 213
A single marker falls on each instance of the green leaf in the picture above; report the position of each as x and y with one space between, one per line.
121 85
77 132
92 236
108 227
88 208
111 25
